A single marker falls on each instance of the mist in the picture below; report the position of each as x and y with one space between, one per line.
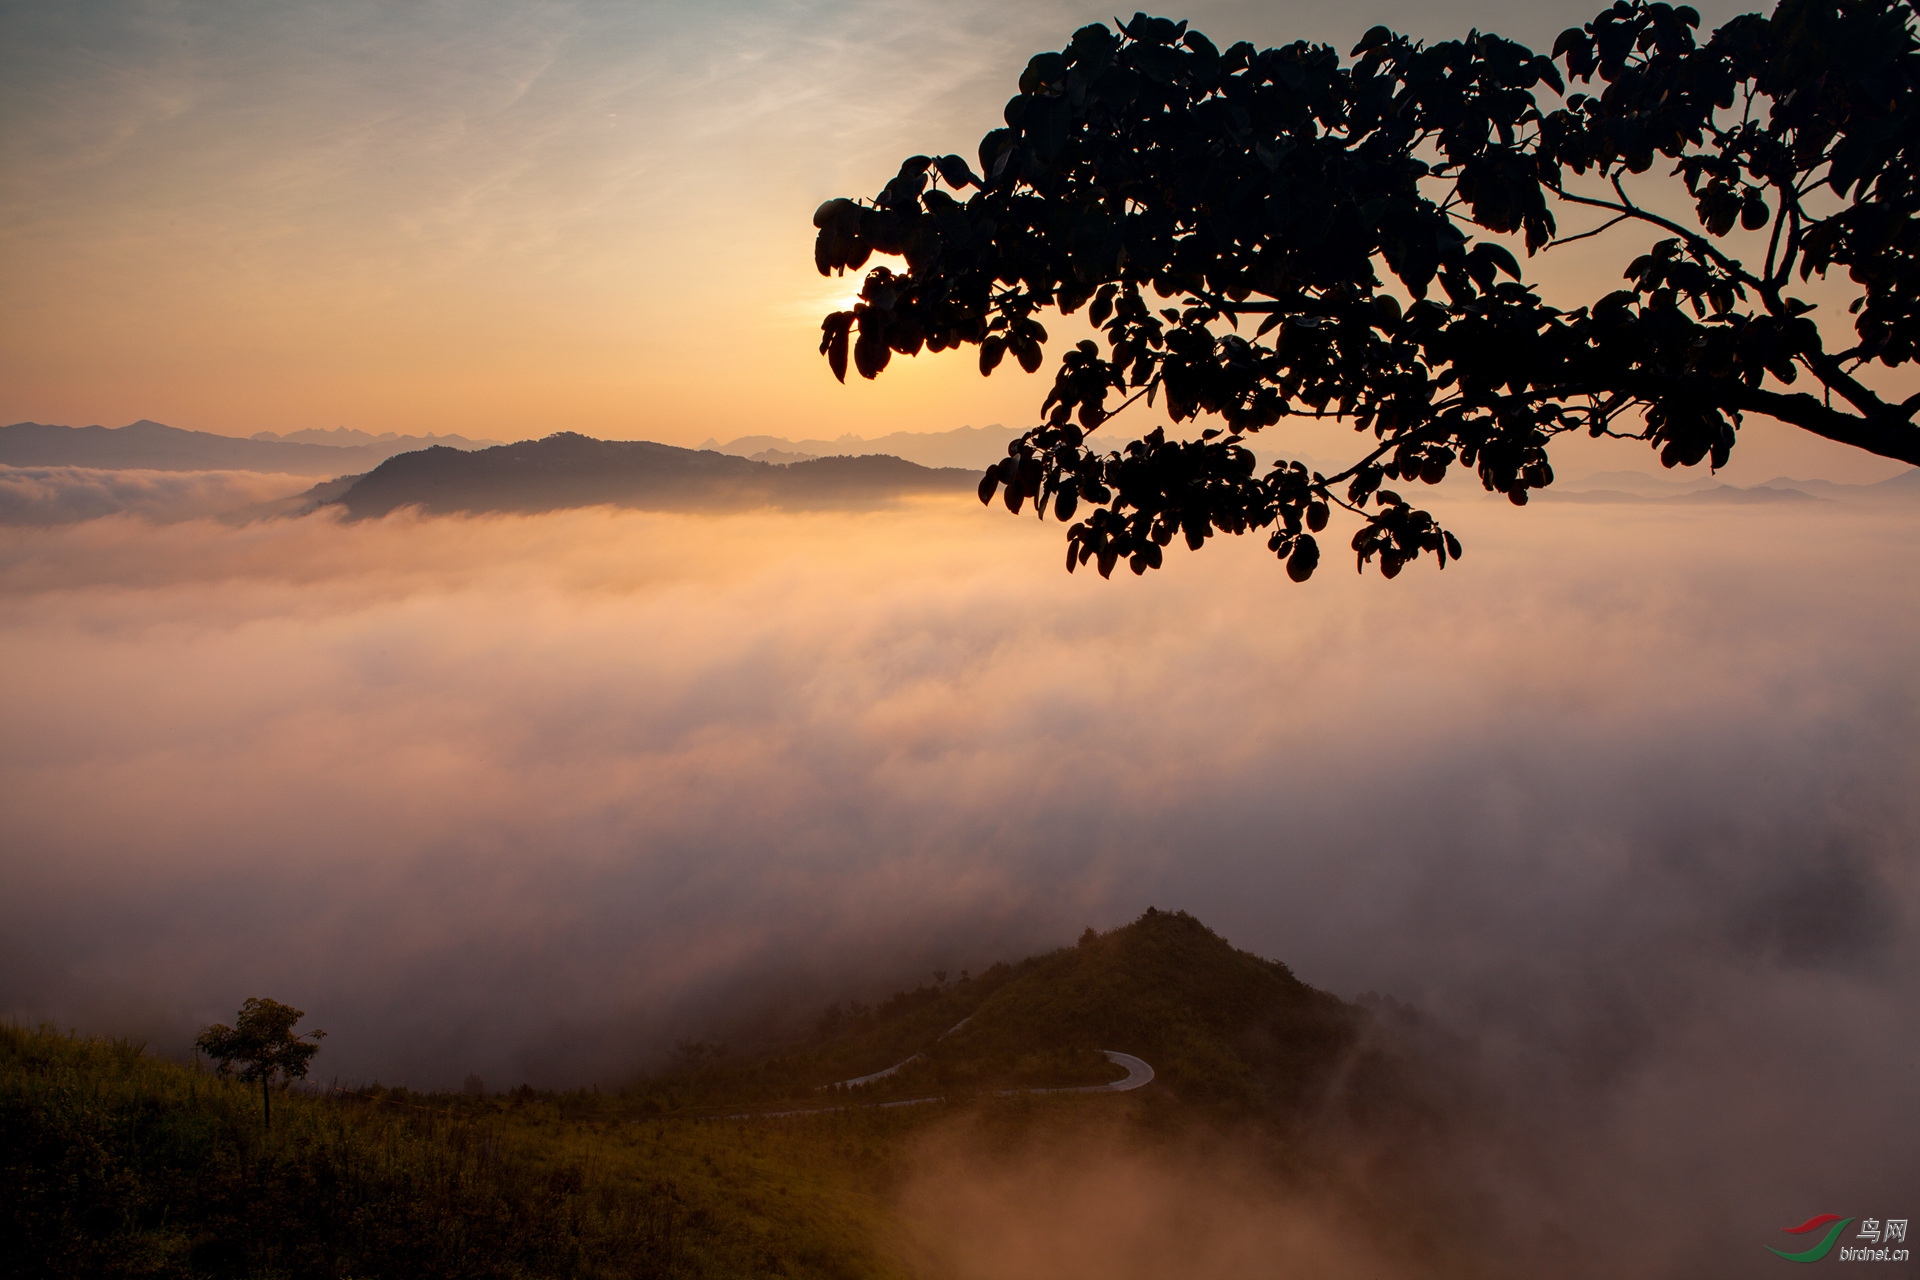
68 495
1627 797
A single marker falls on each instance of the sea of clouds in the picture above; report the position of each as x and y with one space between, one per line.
1628 796
68 495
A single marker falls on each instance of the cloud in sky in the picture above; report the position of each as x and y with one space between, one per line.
1628 794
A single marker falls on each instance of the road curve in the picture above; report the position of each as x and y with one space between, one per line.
857 1081
1139 1073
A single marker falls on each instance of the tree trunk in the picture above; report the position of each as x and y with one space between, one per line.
266 1099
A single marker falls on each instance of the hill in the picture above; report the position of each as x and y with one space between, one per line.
347 437
1218 1024
1906 484
570 470
1224 1030
1638 486
116 1163
154 446
970 448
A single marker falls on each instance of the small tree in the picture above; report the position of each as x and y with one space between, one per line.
1354 216
264 1041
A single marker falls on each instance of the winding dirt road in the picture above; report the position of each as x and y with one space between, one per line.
1138 1073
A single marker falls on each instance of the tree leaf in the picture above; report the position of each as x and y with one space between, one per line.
1305 558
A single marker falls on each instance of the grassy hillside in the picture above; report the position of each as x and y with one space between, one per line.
116 1163
1218 1024
1222 1027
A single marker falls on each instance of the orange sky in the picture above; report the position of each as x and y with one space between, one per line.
504 220
531 796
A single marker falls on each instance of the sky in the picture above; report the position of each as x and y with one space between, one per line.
1628 795
503 219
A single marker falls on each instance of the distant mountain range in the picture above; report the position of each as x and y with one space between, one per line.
371 475
1606 487
570 470
347 438
154 446
972 447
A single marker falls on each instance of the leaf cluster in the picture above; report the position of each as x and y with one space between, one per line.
263 1041
1351 215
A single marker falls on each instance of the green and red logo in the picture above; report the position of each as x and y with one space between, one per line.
1811 1225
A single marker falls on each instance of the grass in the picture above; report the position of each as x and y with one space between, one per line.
118 1163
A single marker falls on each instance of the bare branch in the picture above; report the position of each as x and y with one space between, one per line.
1609 223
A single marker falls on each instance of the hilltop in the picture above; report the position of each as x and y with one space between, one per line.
1218 1024
570 470
1224 1030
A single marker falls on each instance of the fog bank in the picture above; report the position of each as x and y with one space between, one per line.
68 495
1628 794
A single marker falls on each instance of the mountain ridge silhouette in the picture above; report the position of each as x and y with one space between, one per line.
147 445
567 470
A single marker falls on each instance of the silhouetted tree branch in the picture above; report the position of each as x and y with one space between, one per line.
1330 198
